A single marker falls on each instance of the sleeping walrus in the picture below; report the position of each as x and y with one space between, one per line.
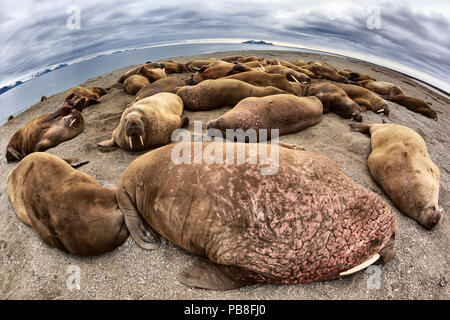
67 208
148 123
212 94
285 112
167 84
308 222
365 98
400 164
84 97
44 132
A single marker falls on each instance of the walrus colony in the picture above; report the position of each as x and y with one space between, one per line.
305 222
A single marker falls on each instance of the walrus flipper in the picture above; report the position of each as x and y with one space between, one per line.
75 162
209 275
140 231
13 155
107 143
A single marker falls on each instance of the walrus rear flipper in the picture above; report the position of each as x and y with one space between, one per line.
360 127
209 275
12 155
140 231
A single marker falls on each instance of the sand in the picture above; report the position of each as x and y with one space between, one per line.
30 269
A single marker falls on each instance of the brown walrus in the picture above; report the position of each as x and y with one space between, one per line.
355 76
231 58
195 65
414 104
289 73
335 100
173 66
307 222
215 70
136 70
67 208
211 94
365 98
263 79
380 87
44 132
400 164
285 112
167 84
87 96
292 66
148 123
152 74
322 70
134 83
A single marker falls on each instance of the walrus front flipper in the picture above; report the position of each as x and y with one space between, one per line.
209 275
107 143
12 155
360 127
140 231
290 146
75 162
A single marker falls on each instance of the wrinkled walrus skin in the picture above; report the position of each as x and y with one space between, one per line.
284 112
44 132
212 94
67 208
308 222
400 164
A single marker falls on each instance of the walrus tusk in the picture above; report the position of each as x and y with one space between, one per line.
262 67
279 63
67 117
361 266
142 141
72 122
380 111
294 78
130 142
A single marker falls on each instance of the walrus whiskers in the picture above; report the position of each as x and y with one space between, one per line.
361 266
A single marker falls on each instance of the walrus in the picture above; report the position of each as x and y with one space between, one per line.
152 74
335 100
135 70
167 84
285 112
322 70
414 104
365 98
173 66
289 73
44 132
43 98
249 59
291 65
148 123
263 79
196 65
400 164
380 87
300 62
255 64
67 208
212 94
231 58
215 70
307 222
355 76
134 83
88 96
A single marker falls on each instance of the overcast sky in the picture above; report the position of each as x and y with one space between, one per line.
411 36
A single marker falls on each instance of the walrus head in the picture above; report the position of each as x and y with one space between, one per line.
73 120
430 216
135 130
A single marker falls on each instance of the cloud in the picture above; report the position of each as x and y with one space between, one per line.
34 34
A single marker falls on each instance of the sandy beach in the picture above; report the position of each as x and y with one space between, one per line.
30 269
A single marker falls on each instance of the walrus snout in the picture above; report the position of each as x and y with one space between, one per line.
432 217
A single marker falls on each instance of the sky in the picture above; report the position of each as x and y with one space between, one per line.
409 36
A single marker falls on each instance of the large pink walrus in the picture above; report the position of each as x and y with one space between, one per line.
306 222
